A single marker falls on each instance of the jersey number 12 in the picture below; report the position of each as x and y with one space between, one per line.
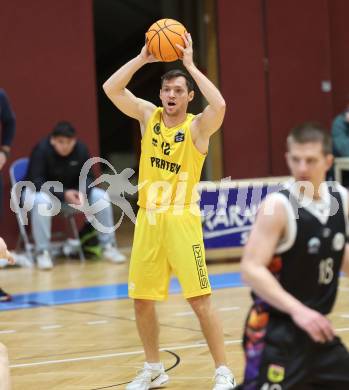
165 146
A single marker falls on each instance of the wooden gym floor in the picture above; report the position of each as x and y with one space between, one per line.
94 345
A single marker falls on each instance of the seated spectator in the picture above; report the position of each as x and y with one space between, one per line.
60 157
340 136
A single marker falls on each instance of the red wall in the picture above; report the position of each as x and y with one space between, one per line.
339 45
47 67
299 58
242 80
302 42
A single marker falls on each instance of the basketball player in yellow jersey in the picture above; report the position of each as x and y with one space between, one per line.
168 234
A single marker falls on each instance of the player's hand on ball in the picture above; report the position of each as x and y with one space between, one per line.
187 51
147 56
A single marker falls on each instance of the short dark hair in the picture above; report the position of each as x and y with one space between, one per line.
171 74
63 129
311 132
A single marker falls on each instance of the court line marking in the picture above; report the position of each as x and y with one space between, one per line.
97 322
191 313
47 327
110 355
184 313
232 308
99 293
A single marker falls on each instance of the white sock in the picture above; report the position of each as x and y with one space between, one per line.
155 366
223 369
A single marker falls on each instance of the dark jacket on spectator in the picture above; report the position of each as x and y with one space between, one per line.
47 165
7 120
340 136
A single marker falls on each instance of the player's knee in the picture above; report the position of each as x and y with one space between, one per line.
201 305
142 305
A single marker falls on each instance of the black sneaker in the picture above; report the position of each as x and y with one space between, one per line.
4 297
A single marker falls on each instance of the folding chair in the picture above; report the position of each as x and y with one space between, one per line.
18 172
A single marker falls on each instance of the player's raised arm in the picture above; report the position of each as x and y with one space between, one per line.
125 100
210 120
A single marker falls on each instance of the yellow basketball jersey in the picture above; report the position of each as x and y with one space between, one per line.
170 164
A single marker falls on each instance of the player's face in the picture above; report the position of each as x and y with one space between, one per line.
175 96
63 145
307 162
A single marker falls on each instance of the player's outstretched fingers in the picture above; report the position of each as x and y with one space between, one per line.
188 36
181 48
185 39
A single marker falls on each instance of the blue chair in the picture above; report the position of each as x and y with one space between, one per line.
18 172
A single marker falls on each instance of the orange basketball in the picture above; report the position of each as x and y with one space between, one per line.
161 39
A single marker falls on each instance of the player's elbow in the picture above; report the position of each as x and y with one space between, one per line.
113 91
246 272
111 88
107 88
221 106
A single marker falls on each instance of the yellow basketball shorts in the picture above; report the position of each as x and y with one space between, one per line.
165 243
